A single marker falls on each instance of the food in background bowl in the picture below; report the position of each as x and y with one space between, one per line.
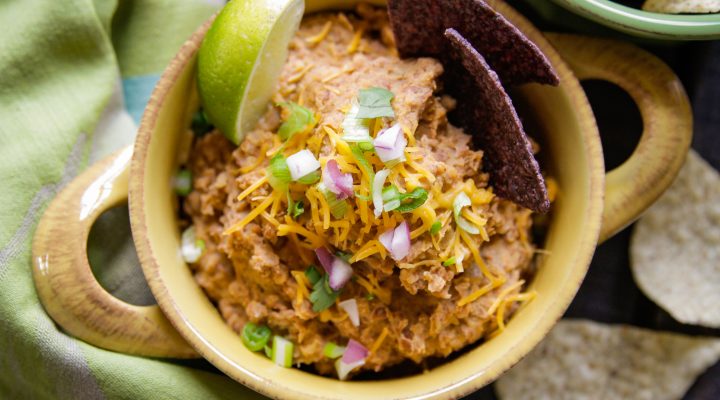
355 227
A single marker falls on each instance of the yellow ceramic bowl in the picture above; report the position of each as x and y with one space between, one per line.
560 116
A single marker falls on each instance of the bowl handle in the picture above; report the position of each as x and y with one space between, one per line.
667 122
67 287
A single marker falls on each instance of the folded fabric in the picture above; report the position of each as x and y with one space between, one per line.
76 75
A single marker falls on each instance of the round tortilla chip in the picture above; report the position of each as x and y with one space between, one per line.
582 359
675 249
487 113
682 6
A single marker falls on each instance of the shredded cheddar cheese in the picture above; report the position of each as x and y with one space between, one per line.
252 188
379 341
251 215
321 35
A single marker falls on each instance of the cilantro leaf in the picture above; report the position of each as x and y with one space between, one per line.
312 274
375 102
295 208
200 124
344 256
322 296
298 119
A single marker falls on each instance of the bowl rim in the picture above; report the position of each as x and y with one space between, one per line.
646 23
549 316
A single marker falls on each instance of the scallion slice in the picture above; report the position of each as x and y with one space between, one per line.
462 200
183 182
435 227
310 178
338 208
191 248
299 119
255 337
332 350
278 173
394 200
282 351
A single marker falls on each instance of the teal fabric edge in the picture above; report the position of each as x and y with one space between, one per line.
137 91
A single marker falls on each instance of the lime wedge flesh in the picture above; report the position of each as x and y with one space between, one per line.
241 58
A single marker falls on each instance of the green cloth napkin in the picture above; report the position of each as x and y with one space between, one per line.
74 78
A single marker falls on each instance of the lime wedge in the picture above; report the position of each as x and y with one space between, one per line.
241 58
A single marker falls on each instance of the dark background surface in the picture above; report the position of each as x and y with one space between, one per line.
609 293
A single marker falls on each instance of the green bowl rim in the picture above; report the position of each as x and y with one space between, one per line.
645 23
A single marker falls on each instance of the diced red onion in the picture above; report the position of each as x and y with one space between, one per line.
377 188
326 259
354 352
386 238
354 356
397 241
337 182
390 144
302 163
351 308
341 273
343 369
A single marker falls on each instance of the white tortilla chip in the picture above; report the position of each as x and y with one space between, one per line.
675 249
682 6
588 360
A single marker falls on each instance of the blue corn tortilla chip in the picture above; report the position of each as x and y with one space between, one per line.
486 111
419 27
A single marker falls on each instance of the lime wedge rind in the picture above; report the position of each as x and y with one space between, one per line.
240 61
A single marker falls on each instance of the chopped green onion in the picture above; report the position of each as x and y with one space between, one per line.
450 261
394 200
322 296
310 178
200 124
363 162
278 173
331 350
375 102
268 351
391 198
418 197
299 119
366 146
282 351
462 200
356 129
295 208
312 274
435 227
344 256
362 197
183 182
338 208
191 248
255 337
370 296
